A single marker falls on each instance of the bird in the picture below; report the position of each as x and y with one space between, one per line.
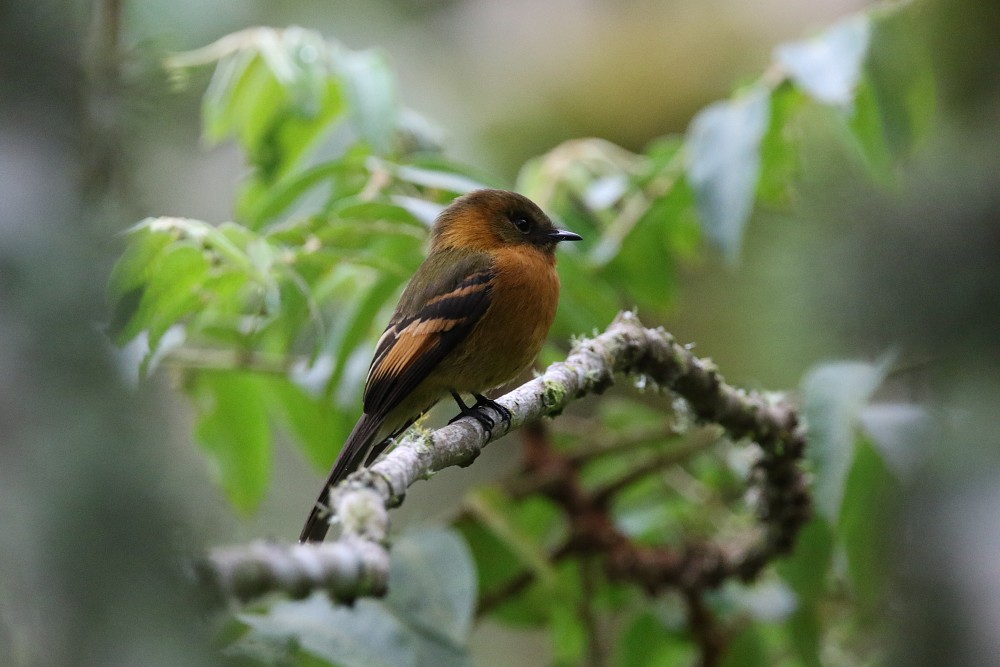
473 317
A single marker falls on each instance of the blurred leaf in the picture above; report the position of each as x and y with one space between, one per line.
129 280
643 266
769 600
829 66
263 75
174 279
569 635
747 649
518 527
232 427
834 395
274 199
646 642
865 522
316 424
724 164
780 149
423 622
446 181
135 267
433 584
509 538
495 563
466 173
223 109
868 134
585 301
901 79
371 92
357 320
896 98
173 293
368 212
805 633
808 567
362 636
901 432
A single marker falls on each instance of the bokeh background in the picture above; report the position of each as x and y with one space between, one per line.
101 485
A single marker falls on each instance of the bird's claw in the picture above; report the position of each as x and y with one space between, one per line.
476 412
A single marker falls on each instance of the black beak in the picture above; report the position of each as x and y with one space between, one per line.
563 235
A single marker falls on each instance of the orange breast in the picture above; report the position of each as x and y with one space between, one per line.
512 331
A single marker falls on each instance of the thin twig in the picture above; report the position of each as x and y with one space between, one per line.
597 654
674 457
702 623
622 444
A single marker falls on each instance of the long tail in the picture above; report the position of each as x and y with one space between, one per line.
352 456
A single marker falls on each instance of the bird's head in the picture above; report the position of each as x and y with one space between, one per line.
490 219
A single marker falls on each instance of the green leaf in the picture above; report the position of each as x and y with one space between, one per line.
896 98
365 635
780 149
317 426
371 92
221 105
569 635
747 649
901 432
724 164
834 395
174 279
865 526
143 249
446 181
829 66
586 301
366 212
232 426
901 77
648 643
805 632
359 318
868 134
129 278
807 569
255 100
768 600
468 175
518 528
508 539
423 622
433 584
644 266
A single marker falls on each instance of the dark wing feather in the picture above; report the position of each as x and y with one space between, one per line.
423 333
433 316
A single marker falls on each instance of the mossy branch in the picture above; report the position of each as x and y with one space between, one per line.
357 562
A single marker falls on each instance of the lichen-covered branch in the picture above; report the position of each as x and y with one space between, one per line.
357 562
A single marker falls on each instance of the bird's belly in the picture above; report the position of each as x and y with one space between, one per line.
511 332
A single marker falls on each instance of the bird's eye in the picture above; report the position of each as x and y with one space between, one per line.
522 223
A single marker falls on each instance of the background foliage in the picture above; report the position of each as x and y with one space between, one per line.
863 136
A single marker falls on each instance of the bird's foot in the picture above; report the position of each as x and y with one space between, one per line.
476 412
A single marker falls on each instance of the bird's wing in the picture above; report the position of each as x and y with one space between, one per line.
433 317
